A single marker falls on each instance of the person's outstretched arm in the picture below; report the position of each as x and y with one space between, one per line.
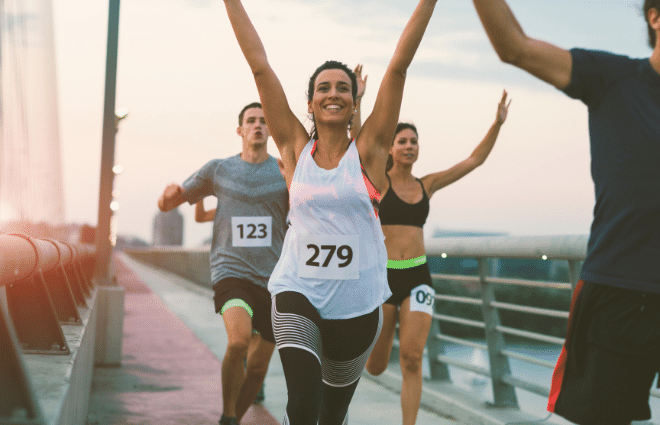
171 198
550 63
288 132
201 215
376 135
434 182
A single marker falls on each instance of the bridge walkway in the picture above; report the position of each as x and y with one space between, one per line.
171 361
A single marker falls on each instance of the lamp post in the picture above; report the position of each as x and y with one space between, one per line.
110 122
110 297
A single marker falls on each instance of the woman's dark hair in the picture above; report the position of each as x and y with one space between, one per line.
648 5
399 128
312 80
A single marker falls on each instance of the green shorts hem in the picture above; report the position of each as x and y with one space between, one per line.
236 302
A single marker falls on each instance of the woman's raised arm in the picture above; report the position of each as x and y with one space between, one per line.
288 132
378 129
436 181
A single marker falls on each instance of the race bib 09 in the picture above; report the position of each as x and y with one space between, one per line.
251 231
422 299
329 257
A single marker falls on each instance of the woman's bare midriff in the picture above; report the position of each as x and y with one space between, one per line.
403 242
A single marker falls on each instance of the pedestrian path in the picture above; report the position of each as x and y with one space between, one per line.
168 375
189 308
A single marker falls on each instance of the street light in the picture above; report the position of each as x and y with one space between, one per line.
120 114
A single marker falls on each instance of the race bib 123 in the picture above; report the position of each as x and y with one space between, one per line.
251 231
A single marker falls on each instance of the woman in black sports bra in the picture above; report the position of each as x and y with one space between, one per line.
403 212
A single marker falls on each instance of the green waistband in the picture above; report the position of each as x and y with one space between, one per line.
406 264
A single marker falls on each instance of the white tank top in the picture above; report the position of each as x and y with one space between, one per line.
334 250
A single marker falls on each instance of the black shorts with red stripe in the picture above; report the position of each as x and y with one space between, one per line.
610 358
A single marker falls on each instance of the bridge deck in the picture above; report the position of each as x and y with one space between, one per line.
170 373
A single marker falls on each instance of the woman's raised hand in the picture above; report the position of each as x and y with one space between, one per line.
502 109
361 82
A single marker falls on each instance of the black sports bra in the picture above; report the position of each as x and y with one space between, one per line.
395 211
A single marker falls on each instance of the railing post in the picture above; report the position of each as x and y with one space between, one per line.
76 287
18 402
574 267
434 347
504 395
34 317
61 297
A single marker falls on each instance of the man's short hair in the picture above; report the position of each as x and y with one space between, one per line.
250 106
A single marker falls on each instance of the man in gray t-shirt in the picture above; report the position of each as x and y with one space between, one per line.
248 231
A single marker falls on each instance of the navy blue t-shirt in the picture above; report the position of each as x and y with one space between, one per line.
623 97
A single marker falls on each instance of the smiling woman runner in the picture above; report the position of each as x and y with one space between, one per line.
331 278
403 212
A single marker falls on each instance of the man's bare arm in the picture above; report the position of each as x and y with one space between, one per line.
550 63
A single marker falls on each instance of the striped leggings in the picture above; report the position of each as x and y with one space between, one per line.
322 359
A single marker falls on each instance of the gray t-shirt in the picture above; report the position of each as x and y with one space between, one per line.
250 219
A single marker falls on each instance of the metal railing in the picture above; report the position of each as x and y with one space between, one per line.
43 284
571 249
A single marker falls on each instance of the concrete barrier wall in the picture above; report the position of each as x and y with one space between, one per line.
76 403
63 383
192 264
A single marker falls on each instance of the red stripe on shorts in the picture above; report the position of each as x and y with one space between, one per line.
558 374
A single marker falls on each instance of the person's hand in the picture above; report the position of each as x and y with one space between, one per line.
172 191
361 82
502 109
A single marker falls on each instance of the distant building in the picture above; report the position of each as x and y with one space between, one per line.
168 228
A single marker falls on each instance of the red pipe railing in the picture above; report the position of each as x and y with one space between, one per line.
43 284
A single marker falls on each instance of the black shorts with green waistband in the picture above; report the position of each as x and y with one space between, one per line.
403 281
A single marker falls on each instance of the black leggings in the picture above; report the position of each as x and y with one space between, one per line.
322 359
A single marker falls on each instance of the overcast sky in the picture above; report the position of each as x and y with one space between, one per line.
184 80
